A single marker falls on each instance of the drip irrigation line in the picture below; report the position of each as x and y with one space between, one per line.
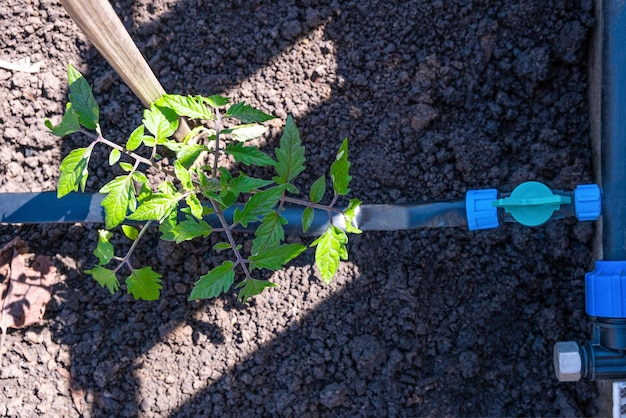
45 207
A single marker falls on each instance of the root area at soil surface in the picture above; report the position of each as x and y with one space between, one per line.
436 97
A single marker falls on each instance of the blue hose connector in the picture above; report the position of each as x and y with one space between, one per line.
481 214
605 289
588 202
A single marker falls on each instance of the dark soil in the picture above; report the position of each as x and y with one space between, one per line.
436 98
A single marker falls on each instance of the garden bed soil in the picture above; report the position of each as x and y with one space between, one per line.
436 98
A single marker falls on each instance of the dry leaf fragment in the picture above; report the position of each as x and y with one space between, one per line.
24 291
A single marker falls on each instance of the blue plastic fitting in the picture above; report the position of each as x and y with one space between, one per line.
481 214
605 289
588 202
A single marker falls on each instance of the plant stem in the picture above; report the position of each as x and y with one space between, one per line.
136 157
126 259
231 239
216 153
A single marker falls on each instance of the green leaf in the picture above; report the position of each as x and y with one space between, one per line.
144 283
166 227
245 184
318 189
120 197
349 214
269 233
260 204
221 246
216 100
252 287
187 154
273 258
339 170
114 156
74 172
195 205
215 282
82 99
135 138
248 155
126 167
307 218
69 124
192 107
247 132
104 249
331 247
131 232
290 154
156 208
105 277
183 175
188 230
162 122
247 114
167 188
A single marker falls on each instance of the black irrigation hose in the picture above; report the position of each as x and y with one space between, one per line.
613 131
44 207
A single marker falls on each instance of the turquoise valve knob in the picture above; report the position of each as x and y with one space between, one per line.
532 203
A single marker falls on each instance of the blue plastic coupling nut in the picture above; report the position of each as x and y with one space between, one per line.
587 202
481 214
605 289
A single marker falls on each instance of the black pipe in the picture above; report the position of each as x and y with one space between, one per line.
44 207
613 129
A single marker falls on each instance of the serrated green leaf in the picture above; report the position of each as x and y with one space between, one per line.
273 258
104 250
215 282
318 189
246 184
290 155
104 277
183 175
260 204
131 232
167 188
74 171
69 124
114 156
339 170
307 218
269 233
195 206
216 100
247 132
330 249
162 122
349 214
144 284
120 196
186 154
166 227
247 114
252 287
191 107
82 99
221 246
135 138
248 155
156 208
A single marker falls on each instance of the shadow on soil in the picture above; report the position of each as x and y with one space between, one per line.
402 334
